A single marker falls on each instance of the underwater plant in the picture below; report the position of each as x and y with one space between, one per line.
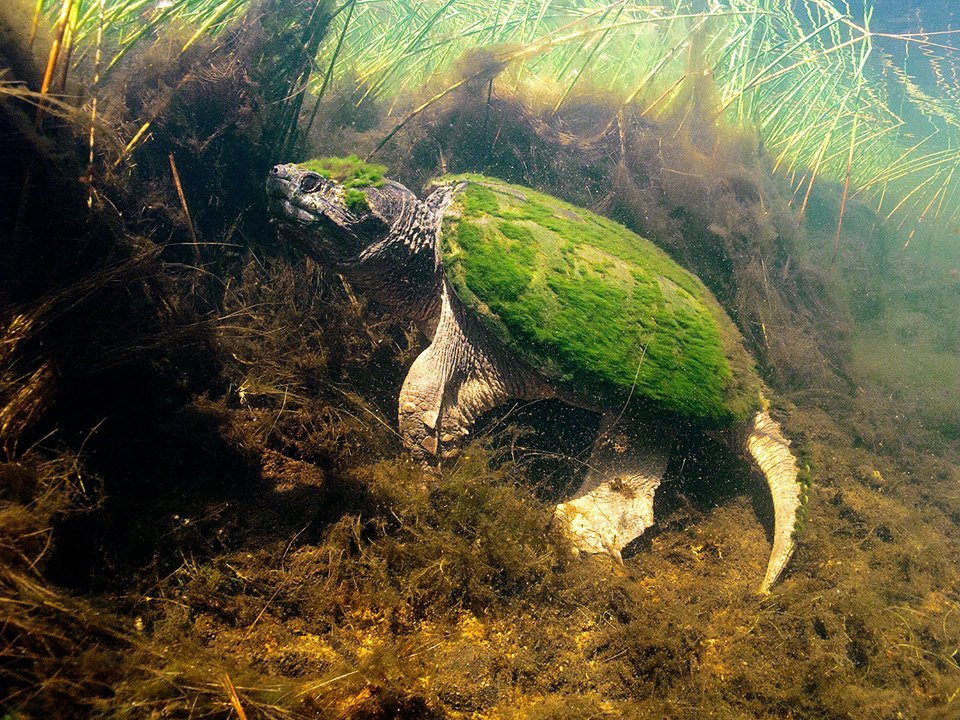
805 75
826 92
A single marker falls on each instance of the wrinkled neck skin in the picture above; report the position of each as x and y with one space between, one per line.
403 271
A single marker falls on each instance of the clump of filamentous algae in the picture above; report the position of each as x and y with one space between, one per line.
351 172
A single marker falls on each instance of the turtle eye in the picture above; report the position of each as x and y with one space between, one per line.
310 182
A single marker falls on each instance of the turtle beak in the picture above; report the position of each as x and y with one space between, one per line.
285 197
280 182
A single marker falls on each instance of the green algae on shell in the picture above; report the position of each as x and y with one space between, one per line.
601 311
349 171
352 173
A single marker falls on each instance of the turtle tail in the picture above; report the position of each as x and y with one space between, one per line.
766 444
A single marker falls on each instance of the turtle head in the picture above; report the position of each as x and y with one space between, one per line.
374 231
333 223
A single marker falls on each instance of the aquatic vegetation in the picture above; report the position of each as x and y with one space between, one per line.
351 172
102 33
805 76
820 85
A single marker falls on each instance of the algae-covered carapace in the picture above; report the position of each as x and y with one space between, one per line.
206 505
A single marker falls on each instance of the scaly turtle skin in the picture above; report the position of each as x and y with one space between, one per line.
526 296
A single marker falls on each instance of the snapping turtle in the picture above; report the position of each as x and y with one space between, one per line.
526 296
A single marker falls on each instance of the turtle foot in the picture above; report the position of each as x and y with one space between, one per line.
615 503
609 516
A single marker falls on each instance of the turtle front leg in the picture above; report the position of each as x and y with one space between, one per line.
462 374
421 400
615 503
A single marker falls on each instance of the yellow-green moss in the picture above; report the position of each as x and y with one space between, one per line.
350 171
355 200
600 310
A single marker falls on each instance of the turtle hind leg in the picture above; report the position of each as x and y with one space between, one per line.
614 505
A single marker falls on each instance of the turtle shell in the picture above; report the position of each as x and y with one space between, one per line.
600 311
